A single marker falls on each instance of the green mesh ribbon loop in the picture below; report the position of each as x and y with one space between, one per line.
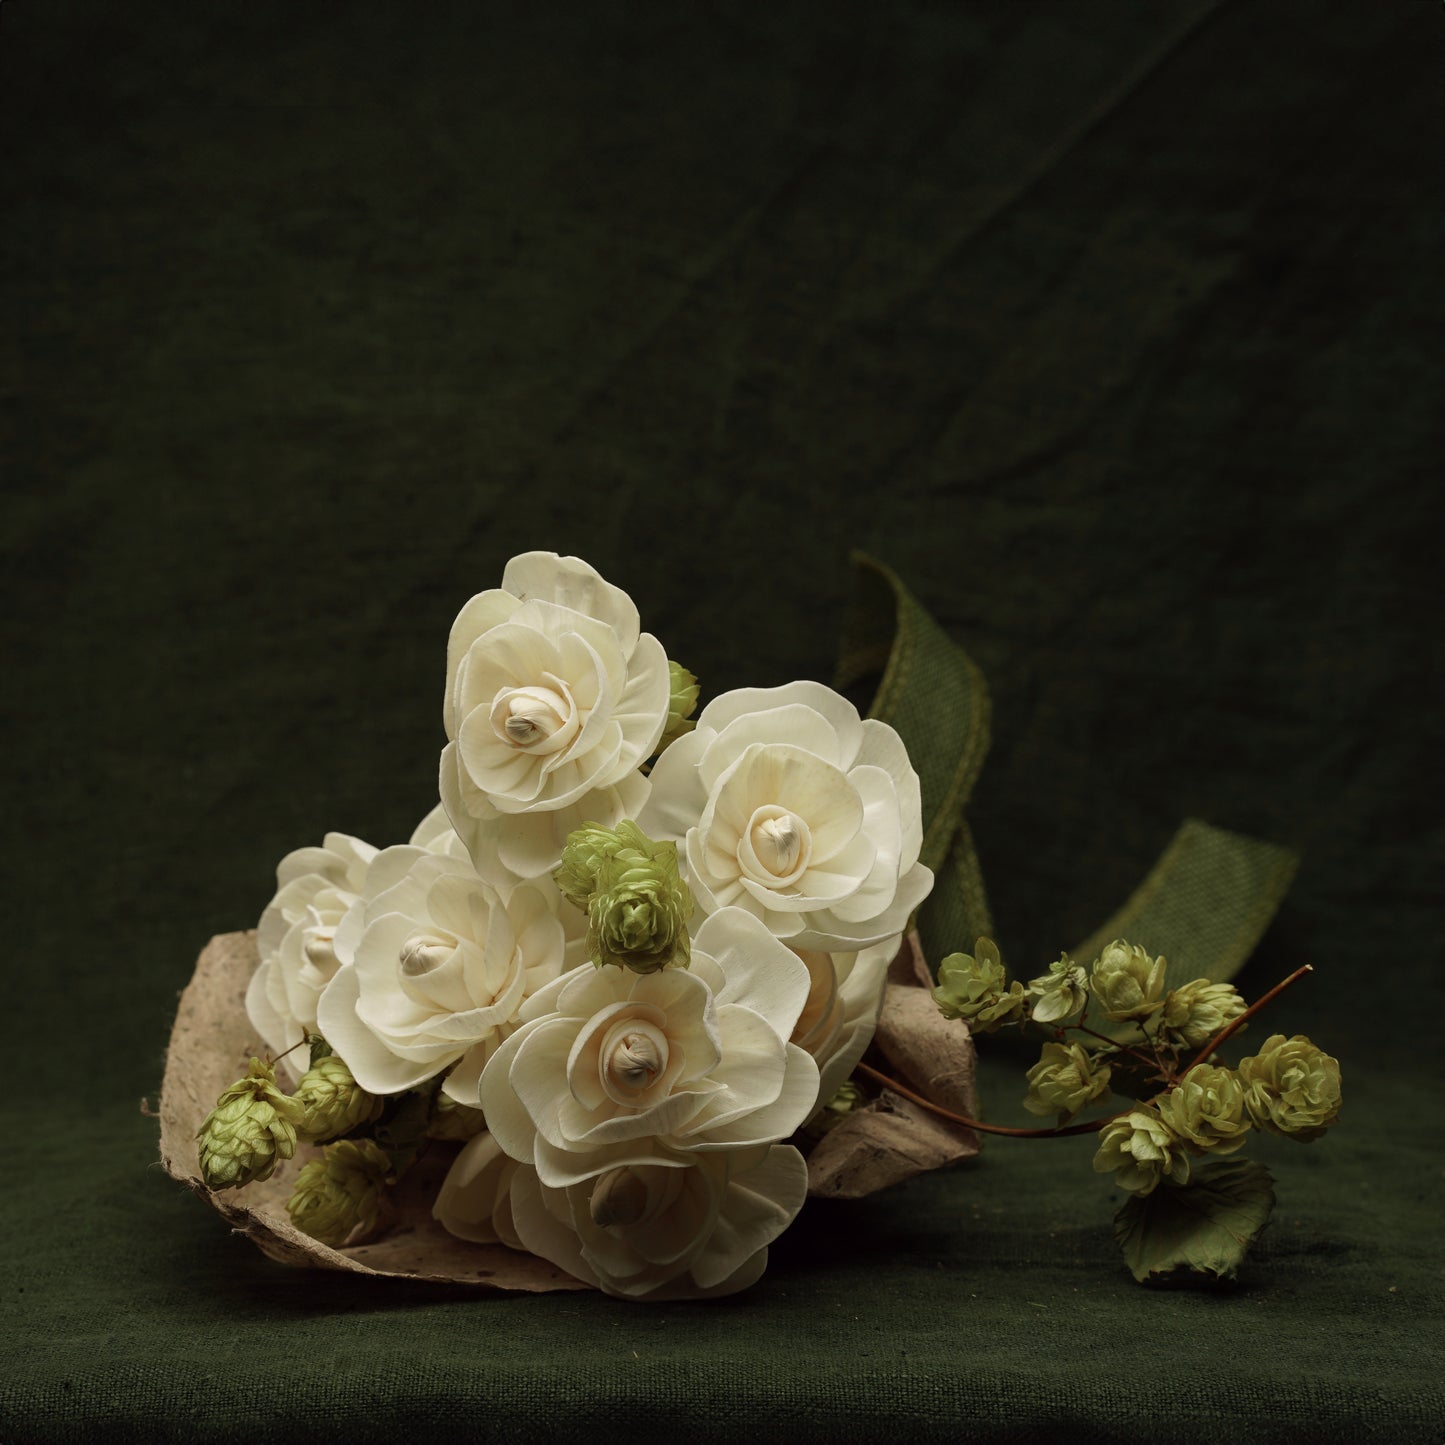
1203 905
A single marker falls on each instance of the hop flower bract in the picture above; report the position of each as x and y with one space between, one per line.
251 1129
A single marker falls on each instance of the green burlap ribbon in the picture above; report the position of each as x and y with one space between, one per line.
1206 901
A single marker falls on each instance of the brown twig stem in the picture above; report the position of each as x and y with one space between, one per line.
1104 1038
1228 1031
882 1078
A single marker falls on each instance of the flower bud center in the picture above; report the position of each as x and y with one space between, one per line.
425 952
527 717
618 1198
780 843
637 1060
319 951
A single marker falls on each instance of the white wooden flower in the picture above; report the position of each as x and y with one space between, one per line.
609 1066
844 997
678 1226
785 803
296 938
439 965
554 699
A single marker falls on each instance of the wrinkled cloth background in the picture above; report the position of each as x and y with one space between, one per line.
1115 329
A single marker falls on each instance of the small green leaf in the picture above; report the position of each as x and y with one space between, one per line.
1205 1226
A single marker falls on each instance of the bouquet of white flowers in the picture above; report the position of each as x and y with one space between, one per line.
582 1013
603 1020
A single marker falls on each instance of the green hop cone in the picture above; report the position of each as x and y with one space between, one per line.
586 852
1141 1151
334 1102
1127 982
1206 1110
637 904
340 1194
251 1129
1061 992
976 989
638 917
1195 1012
1291 1087
1066 1078
682 699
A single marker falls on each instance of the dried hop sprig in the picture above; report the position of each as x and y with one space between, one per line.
333 1101
1206 1110
1141 1151
1061 992
1066 1078
1127 982
251 1129
1196 1011
340 1194
1291 1087
975 987
637 905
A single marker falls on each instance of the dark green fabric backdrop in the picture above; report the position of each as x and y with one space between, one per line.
1114 328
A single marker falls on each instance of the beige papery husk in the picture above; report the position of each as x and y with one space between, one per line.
881 1143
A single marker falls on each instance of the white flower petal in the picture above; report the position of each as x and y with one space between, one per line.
761 973
759 1204
572 583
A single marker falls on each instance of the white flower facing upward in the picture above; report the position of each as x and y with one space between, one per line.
676 1226
296 938
440 964
554 699
610 1068
785 803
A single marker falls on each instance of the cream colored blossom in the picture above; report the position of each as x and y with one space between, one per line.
672 1226
845 994
441 965
784 802
608 1067
296 939
554 698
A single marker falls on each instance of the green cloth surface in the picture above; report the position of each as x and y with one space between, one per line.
1113 329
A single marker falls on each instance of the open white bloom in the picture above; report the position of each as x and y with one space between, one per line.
677 1226
440 964
784 802
296 938
844 997
611 1067
554 699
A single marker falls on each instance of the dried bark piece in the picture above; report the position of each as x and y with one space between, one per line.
891 1138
